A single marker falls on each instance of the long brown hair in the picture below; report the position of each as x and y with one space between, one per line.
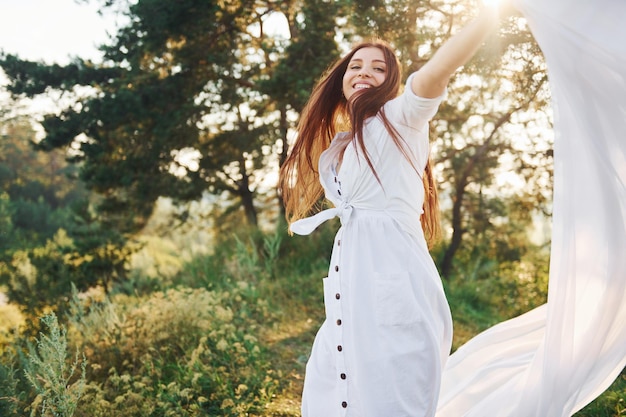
328 112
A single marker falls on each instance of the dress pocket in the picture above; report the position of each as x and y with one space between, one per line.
396 304
327 296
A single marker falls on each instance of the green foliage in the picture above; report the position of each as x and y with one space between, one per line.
179 352
101 254
35 279
184 78
313 26
8 389
41 278
254 262
36 188
216 340
271 251
246 259
612 403
57 387
6 223
49 235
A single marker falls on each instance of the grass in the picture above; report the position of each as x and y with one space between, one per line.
229 333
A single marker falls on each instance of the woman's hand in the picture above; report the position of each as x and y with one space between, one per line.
501 9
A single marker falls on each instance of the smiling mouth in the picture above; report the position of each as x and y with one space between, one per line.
360 86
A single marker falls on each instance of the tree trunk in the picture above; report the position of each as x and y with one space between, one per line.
247 196
248 206
457 205
457 230
282 156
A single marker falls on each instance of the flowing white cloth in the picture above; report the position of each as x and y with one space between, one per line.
554 360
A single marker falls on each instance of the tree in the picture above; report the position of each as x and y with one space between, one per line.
50 237
476 135
37 184
193 96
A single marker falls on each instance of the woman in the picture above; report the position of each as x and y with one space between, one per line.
388 329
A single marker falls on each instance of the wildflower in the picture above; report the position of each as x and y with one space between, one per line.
227 403
222 345
241 389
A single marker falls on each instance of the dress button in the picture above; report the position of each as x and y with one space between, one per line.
342 376
337 296
338 322
339 192
339 348
337 268
339 242
344 404
335 179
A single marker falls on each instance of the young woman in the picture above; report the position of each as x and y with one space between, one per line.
388 329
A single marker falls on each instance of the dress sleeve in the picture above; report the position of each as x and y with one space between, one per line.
411 110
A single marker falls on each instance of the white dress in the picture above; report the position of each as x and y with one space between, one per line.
388 328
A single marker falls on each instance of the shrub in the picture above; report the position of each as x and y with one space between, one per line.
179 352
48 372
8 390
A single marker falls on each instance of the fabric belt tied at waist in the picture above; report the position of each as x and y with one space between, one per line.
308 224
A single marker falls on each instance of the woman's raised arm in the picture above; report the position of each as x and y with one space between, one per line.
431 80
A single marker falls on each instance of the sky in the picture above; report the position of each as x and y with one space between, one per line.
56 30
53 30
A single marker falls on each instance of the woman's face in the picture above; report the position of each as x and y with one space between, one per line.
366 69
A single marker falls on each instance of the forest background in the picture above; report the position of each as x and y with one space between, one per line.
144 259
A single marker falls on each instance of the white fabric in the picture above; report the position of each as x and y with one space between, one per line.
395 329
395 325
554 360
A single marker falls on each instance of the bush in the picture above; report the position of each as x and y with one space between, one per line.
8 389
230 333
179 352
57 389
